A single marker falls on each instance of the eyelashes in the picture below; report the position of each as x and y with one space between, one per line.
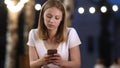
50 16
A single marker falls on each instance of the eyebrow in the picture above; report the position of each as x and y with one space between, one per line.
51 14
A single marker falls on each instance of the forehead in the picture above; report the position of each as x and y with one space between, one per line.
53 10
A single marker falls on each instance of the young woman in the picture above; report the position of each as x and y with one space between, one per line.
52 33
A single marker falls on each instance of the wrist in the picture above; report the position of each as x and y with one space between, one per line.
64 64
41 62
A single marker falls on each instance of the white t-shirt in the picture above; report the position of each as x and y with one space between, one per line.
63 48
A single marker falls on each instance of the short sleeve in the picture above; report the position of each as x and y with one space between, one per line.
31 38
73 38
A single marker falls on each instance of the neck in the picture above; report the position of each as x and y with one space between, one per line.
52 34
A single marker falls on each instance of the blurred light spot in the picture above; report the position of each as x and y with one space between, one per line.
15 8
103 9
37 7
115 8
92 10
81 10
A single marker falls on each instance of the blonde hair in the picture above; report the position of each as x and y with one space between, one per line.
42 29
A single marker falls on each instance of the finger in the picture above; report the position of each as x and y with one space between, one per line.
51 61
56 63
54 58
47 56
57 55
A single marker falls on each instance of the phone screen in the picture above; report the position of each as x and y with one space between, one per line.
51 51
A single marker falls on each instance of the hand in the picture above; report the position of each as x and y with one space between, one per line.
57 60
45 60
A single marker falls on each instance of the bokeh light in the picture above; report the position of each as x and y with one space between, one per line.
103 9
92 10
115 8
37 7
81 10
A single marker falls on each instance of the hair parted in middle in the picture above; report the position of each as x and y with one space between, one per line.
61 34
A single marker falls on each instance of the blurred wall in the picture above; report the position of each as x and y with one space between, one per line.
90 28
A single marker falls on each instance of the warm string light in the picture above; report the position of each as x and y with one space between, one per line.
81 10
115 8
15 8
103 9
37 7
92 10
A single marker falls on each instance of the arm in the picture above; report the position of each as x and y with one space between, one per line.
74 49
33 57
74 58
35 62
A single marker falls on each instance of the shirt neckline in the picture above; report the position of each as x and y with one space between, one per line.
46 48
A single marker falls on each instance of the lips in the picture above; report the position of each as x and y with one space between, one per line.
50 25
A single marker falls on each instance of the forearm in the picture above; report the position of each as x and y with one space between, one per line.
36 64
71 64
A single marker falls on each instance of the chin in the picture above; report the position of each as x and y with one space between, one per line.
51 28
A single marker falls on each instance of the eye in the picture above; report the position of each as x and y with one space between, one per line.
49 16
57 18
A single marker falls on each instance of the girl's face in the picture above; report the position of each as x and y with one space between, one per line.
52 18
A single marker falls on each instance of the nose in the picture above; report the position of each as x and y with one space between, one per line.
51 20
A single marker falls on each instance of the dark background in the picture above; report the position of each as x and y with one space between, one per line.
99 33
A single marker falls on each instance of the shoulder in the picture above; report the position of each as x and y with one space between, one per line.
71 30
33 32
73 37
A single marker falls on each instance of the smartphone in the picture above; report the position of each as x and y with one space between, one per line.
51 51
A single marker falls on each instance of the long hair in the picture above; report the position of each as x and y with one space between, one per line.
42 29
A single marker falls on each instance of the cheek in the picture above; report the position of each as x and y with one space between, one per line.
58 23
45 19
